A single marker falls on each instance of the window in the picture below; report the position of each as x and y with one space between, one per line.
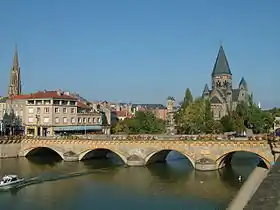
56 120
46 119
38 110
84 120
64 119
72 120
47 110
94 120
72 110
30 119
98 119
64 110
56 110
89 120
80 120
30 110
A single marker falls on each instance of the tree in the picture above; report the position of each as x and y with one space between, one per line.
144 122
228 123
192 118
188 99
179 115
210 124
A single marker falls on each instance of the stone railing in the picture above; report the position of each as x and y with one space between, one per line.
144 137
11 139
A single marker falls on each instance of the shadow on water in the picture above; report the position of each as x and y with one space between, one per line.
42 156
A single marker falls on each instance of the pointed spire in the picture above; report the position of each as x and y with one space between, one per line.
15 80
206 89
16 62
243 83
221 65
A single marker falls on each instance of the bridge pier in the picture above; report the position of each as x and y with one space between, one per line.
206 164
135 160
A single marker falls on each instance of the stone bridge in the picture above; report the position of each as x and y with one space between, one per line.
203 155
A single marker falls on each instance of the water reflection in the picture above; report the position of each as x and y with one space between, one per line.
174 180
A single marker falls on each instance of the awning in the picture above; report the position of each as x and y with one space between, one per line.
78 128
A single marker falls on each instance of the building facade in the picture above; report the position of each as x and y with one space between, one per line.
223 97
46 113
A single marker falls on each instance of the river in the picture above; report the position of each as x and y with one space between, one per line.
107 184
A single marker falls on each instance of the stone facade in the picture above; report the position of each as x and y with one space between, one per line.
223 97
217 153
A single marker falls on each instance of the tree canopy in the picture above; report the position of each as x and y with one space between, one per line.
143 122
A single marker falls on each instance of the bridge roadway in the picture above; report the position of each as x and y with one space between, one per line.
204 153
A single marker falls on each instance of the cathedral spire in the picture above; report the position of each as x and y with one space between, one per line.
15 80
221 65
16 62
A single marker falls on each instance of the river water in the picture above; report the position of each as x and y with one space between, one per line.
107 184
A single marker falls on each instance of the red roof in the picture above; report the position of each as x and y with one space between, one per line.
82 105
123 113
45 94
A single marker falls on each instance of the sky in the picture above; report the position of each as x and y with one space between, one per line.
140 51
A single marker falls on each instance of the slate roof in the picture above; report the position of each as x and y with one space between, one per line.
243 83
206 89
221 65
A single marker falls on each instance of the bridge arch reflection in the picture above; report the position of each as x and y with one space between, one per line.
42 151
161 156
102 153
226 158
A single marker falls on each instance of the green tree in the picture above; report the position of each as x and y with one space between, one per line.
228 123
188 99
144 122
179 115
192 118
210 125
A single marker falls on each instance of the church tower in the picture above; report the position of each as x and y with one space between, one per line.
221 74
15 81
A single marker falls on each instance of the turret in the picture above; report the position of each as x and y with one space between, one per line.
206 92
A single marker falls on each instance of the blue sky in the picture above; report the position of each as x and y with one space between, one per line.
140 50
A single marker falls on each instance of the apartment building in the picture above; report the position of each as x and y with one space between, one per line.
46 113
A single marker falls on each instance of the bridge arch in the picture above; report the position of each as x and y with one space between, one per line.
38 149
225 158
100 152
161 155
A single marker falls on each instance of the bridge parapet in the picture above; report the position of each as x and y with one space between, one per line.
151 137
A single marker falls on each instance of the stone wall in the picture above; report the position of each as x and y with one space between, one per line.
9 150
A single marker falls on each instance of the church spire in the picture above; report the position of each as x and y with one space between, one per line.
15 80
221 65
16 62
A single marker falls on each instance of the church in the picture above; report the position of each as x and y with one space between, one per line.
223 97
